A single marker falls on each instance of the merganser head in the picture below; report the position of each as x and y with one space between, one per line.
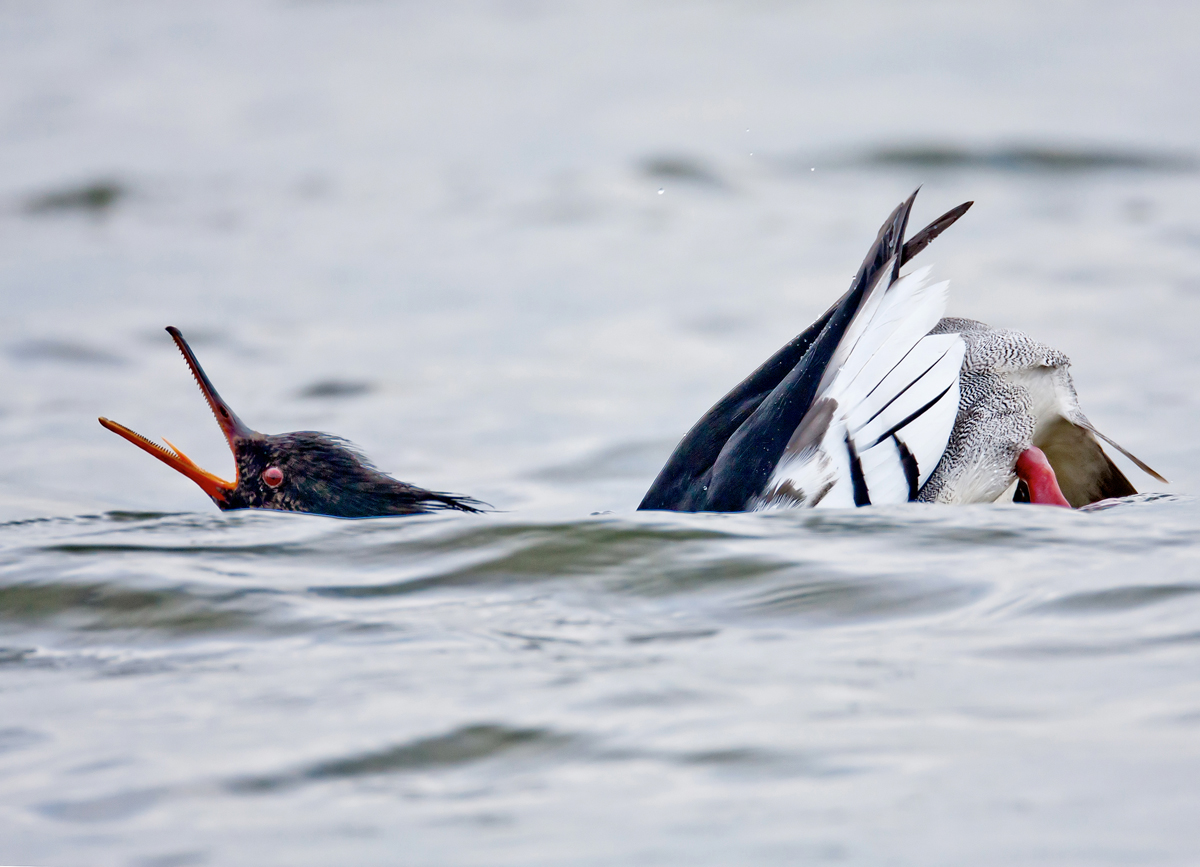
302 471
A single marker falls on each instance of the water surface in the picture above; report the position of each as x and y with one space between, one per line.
514 250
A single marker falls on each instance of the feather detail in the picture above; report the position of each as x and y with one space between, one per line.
883 416
785 436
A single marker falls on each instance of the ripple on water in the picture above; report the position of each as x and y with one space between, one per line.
1116 599
201 573
464 745
102 605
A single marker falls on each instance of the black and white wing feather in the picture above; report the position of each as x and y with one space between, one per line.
851 411
884 409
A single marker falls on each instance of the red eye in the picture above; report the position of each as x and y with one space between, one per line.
273 476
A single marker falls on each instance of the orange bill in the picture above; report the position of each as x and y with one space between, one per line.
214 486
233 428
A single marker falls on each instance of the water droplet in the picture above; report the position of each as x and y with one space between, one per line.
813 169
747 130
751 153
661 191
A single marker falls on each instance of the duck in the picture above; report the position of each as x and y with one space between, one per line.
885 400
301 471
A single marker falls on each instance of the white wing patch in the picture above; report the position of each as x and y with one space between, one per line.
886 409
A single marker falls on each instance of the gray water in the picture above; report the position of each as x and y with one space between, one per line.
514 250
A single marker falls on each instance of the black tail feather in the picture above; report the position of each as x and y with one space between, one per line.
899 235
921 240
729 455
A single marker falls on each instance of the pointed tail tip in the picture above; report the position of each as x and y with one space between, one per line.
922 239
1138 462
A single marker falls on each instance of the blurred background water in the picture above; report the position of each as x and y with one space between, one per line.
514 250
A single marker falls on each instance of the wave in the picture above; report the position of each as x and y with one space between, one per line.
188 574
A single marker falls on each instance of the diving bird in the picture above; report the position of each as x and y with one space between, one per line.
882 400
303 471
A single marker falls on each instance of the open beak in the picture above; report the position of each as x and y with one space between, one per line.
231 426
